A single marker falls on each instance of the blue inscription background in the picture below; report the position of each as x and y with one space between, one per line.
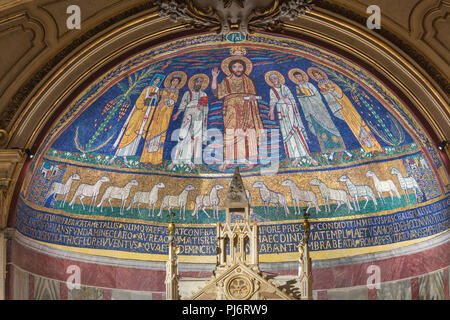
396 227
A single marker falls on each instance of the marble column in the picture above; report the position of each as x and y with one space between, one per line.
223 251
254 245
231 237
172 277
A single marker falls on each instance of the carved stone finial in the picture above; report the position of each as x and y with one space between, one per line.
236 193
172 278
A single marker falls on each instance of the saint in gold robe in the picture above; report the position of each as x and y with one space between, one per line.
344 109
156 136
137 123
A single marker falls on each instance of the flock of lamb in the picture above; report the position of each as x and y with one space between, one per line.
212 200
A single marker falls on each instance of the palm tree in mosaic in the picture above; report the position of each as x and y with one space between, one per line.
380 122
116 108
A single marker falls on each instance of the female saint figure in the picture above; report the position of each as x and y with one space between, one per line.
343 108
316 113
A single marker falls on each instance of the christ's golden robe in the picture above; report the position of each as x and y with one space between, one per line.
241 119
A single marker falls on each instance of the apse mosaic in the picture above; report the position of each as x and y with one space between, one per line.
311 131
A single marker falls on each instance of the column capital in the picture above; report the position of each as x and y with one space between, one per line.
11 161
9 158
7 233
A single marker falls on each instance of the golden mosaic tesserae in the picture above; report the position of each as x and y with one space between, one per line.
163 131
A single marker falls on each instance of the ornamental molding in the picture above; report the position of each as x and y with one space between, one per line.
224 16
15 103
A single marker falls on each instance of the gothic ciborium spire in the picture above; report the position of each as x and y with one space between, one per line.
172 279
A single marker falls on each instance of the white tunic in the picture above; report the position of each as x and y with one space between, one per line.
291 125
192 133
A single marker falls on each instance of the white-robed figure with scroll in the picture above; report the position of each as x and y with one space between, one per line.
192 134
291 125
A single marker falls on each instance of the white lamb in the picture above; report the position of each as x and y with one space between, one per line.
177 201
62 189
271 197
117 193
301 195
212 199
150 198
383 186
407 183
88 190
340 196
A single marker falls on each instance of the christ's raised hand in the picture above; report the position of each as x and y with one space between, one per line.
215 72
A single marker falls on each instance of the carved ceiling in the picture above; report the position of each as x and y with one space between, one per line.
421 24
223 15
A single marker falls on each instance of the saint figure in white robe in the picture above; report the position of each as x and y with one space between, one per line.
192 134
291 125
